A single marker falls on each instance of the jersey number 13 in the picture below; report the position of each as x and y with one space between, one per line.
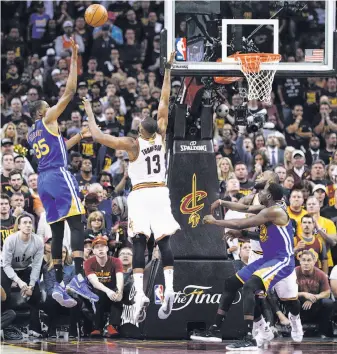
153 164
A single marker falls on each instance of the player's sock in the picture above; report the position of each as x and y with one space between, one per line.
138 282
58 272
168 275
219 318
249 326
261 323
78 265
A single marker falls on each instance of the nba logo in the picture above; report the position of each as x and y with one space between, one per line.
181 49
158 294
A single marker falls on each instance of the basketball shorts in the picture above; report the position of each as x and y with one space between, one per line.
58 191
271 271
150 212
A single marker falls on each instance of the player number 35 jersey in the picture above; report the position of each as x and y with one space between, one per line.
149 166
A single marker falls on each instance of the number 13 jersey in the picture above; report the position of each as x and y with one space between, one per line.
50 149
149 165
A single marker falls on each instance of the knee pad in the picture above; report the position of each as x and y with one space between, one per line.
254 284
139 246
166 252
293 306
232 283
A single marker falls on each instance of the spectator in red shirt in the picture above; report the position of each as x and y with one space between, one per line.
314 294
105 273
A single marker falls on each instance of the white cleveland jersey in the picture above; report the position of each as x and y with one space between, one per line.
149 166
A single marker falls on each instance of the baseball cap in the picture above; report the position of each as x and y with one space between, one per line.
319 186
6 141
105 27
87 240
67 24
55 72
99 240
176 83
298 152
156 38
82 84
50 51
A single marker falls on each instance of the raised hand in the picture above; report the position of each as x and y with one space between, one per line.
87 106
74 47
172 56
86 132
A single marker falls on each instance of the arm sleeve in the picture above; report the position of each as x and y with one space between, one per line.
36 264
7 257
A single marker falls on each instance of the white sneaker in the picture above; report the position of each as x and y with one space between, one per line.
167 305
141 303
296 328
264 335
255 329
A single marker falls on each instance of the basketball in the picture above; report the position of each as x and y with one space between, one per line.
96 15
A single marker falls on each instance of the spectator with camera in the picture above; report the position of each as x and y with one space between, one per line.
314 294
21 263
105 274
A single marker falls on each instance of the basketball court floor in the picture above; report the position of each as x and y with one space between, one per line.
279 346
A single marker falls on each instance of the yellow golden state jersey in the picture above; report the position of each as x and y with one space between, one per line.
149 165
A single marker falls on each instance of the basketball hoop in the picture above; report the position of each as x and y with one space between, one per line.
259 81
225 80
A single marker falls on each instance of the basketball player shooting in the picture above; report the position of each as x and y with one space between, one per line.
149 202
58 189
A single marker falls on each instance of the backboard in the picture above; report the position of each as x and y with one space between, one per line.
206 33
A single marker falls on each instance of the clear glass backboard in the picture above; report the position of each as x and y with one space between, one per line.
206 33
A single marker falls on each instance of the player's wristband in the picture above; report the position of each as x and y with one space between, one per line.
168 66
81 136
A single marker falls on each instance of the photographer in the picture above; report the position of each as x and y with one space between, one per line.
105 274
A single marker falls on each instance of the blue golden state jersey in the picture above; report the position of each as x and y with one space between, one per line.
277 240
50 149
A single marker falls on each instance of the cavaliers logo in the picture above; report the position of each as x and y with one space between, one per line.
263 233
189 203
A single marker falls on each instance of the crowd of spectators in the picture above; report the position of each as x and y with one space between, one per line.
119 72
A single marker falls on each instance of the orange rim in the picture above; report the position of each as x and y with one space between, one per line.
251 62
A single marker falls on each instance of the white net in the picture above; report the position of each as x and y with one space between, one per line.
259 81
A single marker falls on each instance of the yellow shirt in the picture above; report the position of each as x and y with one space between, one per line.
329 228
297 217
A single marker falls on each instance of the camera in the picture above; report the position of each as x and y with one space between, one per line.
252 122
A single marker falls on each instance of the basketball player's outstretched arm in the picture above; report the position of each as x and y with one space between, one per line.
84 133
54 112
264 216
123 143
245 208
163 108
